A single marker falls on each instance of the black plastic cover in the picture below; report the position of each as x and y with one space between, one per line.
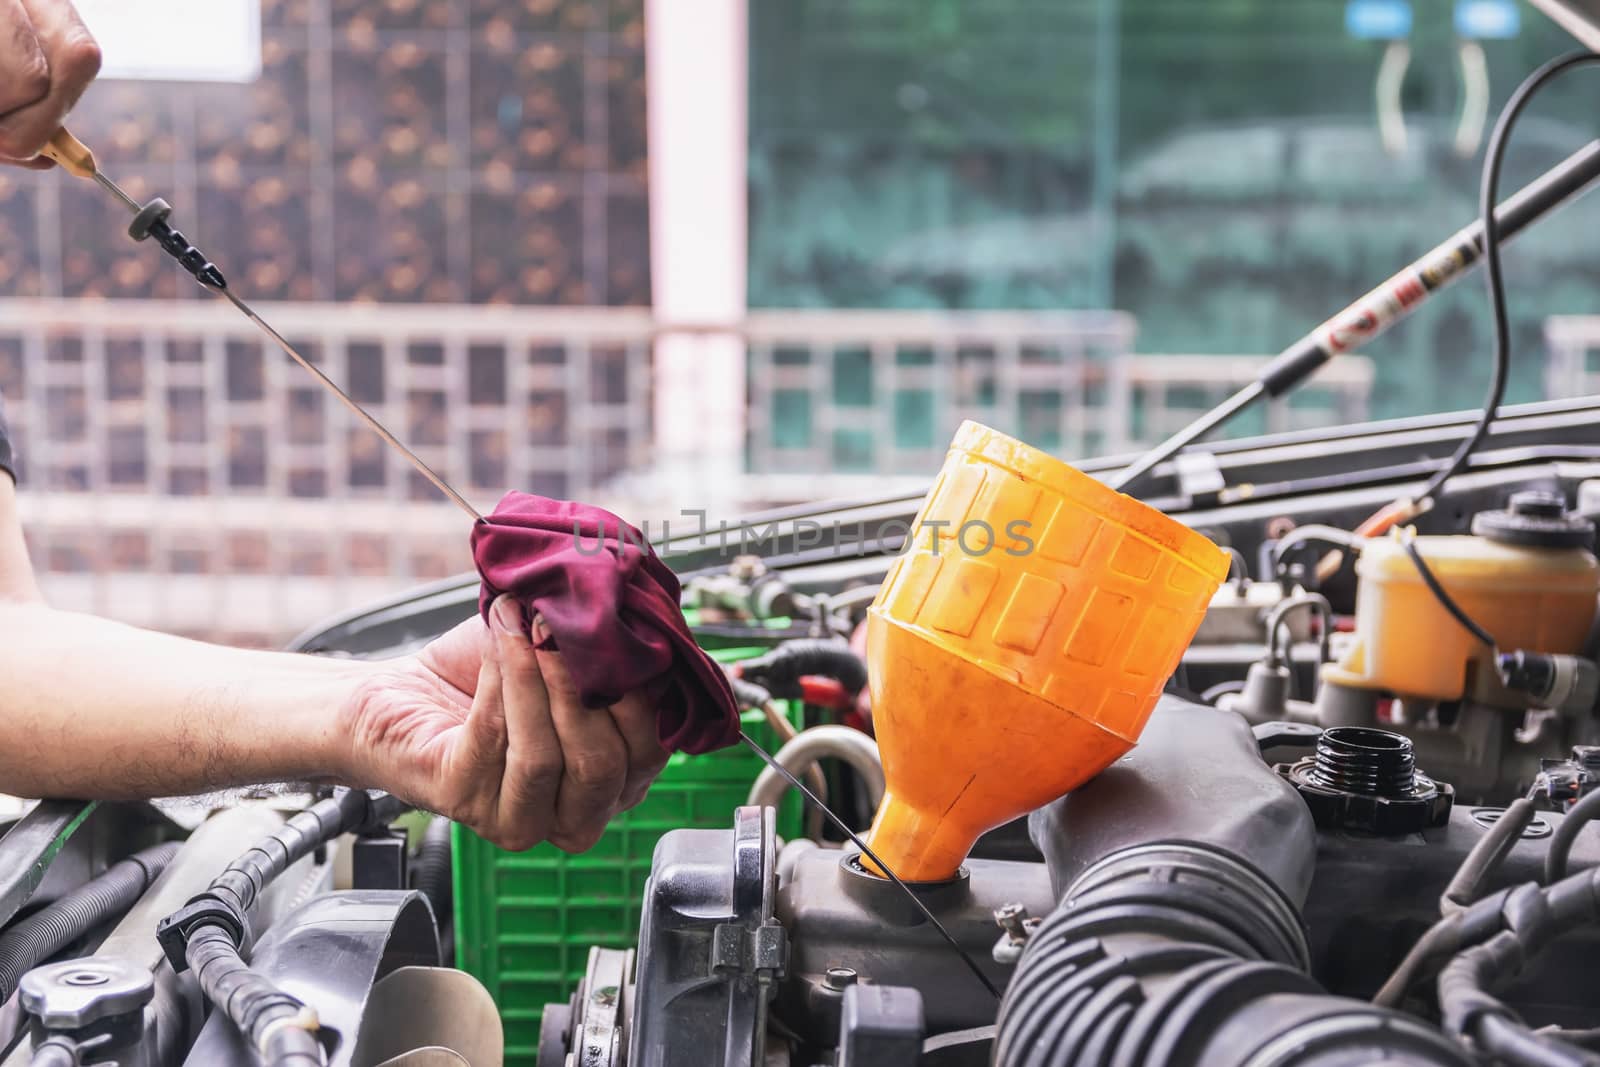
881 1026
1196 776
1535 519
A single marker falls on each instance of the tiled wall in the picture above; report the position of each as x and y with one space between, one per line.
482 151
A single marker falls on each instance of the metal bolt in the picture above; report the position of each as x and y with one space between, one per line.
1013 919
839 978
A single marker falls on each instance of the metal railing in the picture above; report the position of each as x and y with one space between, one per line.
879 392
178 474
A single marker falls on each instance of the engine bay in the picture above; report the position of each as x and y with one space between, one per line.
1348 832
1306 858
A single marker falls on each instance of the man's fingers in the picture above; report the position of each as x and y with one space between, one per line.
463 785
596 757
473 772
485 744
73 61
531 782
36 163
24 70
635 716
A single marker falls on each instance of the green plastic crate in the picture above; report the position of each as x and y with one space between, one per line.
525 921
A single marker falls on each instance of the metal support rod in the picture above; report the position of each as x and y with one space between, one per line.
116 190
76 159
1384 306
355 408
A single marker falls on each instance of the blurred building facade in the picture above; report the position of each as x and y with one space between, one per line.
394 152
415 151
1230 172
449 204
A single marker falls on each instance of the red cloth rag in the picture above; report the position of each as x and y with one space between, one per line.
613 610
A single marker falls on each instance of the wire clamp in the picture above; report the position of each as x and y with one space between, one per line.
173 932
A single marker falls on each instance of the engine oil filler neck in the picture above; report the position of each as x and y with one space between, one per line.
1360 778
878 895
1360 760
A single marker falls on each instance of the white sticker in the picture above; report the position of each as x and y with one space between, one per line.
177 40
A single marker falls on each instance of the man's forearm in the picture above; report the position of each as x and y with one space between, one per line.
16 575
93 708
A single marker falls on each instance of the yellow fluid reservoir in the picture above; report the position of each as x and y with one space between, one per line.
1529 598
1019 644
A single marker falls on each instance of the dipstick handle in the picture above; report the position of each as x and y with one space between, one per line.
71 154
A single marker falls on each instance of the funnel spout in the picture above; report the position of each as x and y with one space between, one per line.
919 845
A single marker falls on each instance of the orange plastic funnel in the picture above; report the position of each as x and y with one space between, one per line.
1018 646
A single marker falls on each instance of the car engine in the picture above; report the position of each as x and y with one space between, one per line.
1314 855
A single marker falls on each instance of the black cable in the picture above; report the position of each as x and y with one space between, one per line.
1588 1039
1440 940
209 934
966 957
1238 569
1457 927
95 903
1445 600
1531 917
1510 1042
1493 277
1581 814
1313 532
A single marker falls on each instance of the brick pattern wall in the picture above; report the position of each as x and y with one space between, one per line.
467 151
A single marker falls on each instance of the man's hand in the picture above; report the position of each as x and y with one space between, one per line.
47 60
483 727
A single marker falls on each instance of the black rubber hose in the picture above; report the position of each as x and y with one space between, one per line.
244 879
780 670
57 1051
1182 956
748 694
1534 917
1508 1042
253 1002
1585 811
431 876
93 904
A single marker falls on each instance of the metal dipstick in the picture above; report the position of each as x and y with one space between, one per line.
151 221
